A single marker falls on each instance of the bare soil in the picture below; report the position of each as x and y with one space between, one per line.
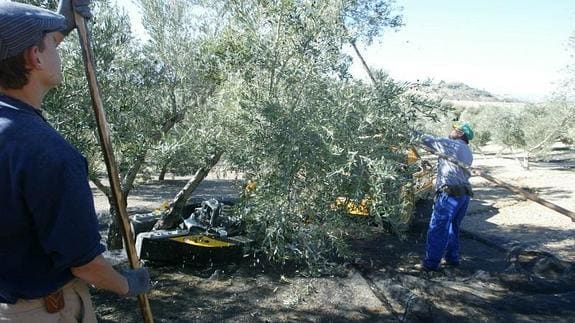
517 266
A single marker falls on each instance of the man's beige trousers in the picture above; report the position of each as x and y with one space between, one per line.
78 308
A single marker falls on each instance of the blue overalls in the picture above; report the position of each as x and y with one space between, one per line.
443 231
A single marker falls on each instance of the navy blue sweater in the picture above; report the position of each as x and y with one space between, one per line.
47 218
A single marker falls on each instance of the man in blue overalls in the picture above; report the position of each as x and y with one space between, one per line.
453 193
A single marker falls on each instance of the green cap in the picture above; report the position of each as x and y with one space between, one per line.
464 127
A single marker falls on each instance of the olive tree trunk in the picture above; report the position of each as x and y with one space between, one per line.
173 216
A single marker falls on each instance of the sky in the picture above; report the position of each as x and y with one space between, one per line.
515 48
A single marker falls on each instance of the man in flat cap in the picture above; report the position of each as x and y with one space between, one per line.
50 246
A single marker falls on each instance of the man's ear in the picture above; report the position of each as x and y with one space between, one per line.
33 59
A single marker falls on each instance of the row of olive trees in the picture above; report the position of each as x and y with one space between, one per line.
533 129
530 130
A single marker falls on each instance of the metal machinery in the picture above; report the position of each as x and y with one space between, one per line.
208 235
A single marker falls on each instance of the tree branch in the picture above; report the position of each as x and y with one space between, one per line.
105 189
553 134
169 123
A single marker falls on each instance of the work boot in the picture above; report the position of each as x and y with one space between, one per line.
451 264
422 268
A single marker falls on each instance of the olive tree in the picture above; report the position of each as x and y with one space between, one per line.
566 91
309 132
182 37
528 131
544 124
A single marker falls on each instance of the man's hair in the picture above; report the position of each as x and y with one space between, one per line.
13 71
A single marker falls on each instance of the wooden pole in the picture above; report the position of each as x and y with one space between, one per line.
363 63
108 152
527 194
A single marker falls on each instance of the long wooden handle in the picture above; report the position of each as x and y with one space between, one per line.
108 152
527 195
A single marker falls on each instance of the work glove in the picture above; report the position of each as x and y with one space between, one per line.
416 135
67 7
138 281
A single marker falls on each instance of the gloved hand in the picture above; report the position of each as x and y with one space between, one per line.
82 7
138 281
416 135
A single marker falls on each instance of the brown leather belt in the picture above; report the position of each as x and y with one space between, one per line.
457 190
54 302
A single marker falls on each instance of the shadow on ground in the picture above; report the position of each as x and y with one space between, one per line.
522 223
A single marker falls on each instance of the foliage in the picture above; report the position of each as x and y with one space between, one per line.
181 51
308 132
69 105
366 19
565 95
547 123
566 89
532 129
493 124
563 99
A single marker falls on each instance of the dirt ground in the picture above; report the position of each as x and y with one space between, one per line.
517 266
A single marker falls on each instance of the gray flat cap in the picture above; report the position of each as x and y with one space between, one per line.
23 26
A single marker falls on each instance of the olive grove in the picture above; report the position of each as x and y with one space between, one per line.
266 86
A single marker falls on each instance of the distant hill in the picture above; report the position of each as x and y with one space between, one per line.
461 92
